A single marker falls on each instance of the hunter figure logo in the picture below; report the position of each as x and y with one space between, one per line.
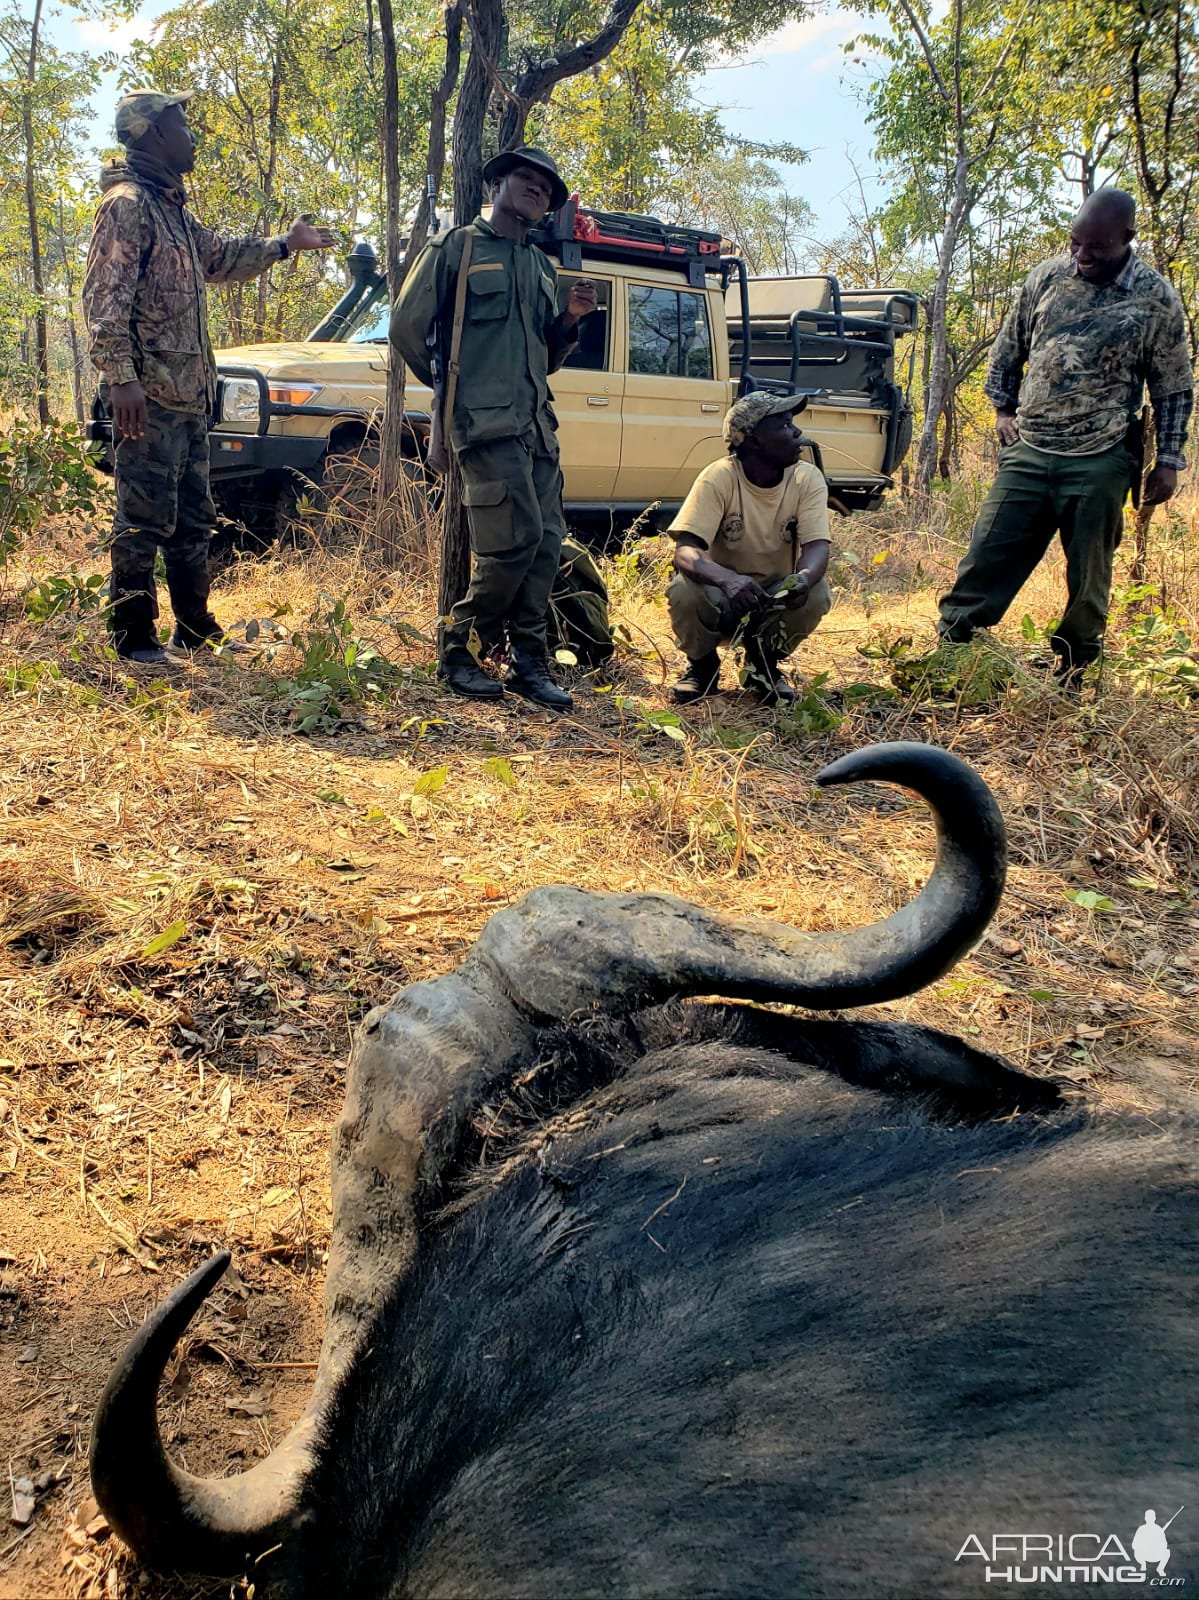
1149 1543
1072 1558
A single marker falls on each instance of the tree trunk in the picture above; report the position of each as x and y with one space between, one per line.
395 501
72 325
41 346
938 336
487 25
268 182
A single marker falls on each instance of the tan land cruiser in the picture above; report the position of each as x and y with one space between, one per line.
681 330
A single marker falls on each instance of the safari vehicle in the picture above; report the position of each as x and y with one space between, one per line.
681 330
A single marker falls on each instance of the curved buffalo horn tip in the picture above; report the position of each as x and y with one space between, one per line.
170 1518
562 951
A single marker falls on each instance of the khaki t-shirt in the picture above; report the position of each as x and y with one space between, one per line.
752 530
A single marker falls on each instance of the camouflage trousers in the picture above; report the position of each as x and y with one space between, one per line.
163 502
1034 496
703 617
512 491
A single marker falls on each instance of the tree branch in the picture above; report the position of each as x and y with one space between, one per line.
993 76
538 78
918 29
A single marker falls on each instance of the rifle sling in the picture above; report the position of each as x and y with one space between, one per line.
451 384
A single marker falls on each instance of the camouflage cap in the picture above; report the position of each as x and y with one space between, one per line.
743 415
137 112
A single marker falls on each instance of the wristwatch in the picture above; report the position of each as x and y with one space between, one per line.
285 249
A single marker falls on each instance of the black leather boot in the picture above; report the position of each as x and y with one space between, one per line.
192 632
763 677
701 678
460 672
529 675
131 617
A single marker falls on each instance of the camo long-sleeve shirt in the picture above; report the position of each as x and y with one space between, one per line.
1073 359
144 300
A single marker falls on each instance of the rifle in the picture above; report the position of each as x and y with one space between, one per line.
435 454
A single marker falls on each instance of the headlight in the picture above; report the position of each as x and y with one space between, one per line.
239 400
294 394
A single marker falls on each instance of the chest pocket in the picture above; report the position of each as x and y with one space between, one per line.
489 294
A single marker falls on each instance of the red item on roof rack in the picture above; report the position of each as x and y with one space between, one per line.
622 234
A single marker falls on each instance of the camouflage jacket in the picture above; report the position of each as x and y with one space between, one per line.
512 333
1076 356
144 289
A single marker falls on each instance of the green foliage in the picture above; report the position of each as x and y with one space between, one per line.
1153 649
44 472
58 113
70 592
651 724
634 138
1090 900
336 669
971 674
810 713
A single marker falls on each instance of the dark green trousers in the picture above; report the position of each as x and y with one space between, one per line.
1034 496
163 502
512 491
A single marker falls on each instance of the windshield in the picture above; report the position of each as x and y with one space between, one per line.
374 329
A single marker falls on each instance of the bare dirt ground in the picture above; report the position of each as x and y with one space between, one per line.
197 907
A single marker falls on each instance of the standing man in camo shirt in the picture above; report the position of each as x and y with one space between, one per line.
148 266
1090 331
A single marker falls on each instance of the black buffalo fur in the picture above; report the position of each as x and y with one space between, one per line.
728 1323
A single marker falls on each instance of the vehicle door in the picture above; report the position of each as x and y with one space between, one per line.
676 391
587 394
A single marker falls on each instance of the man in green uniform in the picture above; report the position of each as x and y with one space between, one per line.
1089 331
148 266
503 427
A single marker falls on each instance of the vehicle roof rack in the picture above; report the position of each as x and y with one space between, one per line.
623 236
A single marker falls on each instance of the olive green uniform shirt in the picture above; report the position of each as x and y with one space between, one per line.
512 334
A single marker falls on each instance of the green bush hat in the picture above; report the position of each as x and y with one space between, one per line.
527 155
137 112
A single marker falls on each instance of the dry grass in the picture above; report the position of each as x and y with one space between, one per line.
199 906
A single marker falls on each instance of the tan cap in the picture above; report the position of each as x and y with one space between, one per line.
743 415
138 111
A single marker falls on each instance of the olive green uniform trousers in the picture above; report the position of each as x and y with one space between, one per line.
512 491
1034 496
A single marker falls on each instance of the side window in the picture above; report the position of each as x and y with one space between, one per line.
592 351
669 333
695 339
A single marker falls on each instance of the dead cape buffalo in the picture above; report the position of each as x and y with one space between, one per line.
635 1297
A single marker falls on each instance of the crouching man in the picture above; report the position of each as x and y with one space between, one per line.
751 552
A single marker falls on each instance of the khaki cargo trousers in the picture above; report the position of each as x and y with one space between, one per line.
512 491
1034 496
703 618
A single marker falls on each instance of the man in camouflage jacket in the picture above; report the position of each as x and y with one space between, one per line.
1091 329
144 301
503 427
